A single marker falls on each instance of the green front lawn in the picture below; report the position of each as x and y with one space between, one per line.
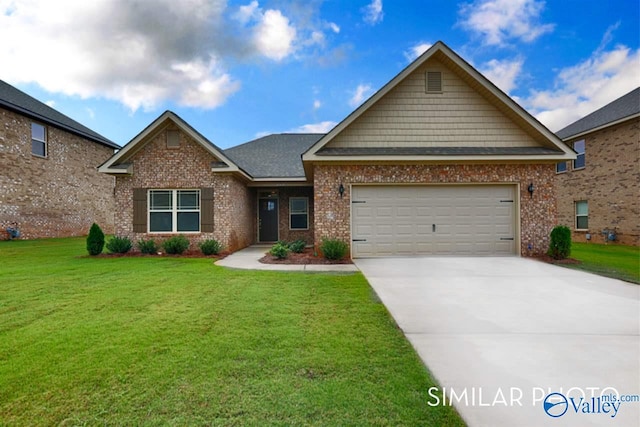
619 262
179 341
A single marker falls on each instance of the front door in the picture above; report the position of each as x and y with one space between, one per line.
267 220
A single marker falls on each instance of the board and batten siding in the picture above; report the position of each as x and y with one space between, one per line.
407 116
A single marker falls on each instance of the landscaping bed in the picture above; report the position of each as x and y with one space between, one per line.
307 256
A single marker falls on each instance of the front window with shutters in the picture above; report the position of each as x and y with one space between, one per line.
174 211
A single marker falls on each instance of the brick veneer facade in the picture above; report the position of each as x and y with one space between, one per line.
537 215
56 196
609 182
187 167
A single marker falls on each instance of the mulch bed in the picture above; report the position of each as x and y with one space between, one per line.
185 254
548 259
305 257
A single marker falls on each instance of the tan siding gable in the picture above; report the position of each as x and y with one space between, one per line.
407 116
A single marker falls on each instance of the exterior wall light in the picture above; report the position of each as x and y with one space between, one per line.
341 190
531 189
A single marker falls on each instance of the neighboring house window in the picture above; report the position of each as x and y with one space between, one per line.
174 211
38 140
561 167
299 213
582 215
578 146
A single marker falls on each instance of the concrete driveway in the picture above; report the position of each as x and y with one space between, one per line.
510 331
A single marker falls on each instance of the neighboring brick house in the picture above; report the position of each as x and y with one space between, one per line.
599 192
438 161
49 182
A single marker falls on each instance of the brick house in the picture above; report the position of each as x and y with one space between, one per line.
599 192
50 185
438 161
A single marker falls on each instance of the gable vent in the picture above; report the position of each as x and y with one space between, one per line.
173 139
434 82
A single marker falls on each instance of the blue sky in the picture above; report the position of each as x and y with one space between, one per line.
236 70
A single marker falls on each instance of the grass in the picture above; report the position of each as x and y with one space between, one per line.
179 341
617 261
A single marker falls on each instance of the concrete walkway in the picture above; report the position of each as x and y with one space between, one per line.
247 259
508 332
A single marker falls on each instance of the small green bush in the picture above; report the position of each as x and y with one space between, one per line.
176 245
95 240
297 246
560 245
334 248
119 245
210 247
279 250
148 246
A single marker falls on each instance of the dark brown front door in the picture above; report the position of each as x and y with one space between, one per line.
268 220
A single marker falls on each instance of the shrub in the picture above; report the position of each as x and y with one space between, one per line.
119 245
95 240
297 246
210 247
148 246
279 250
560 245
334 248
176 245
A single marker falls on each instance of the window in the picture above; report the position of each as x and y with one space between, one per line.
582 215
299 213
38 140
578 146
561 167
174 211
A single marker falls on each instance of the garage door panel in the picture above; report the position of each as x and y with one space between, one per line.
398 220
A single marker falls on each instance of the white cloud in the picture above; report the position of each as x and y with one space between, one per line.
247 13
317 104
321 127
503 73
416 50
498 21
140 54
583 88
362 92
90 112
274 36
51 103
373 13
333 27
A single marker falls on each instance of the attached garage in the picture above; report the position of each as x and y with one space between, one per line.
405 220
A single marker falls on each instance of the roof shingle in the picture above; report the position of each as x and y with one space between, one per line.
16 100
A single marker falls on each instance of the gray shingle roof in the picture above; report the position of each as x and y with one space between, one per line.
435 151
18 101
622 107
274 156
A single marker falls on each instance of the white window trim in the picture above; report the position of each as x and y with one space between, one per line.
44 142
575 208
584 154
566 168
174 211
291 199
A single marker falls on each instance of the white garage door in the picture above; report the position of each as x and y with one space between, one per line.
398 220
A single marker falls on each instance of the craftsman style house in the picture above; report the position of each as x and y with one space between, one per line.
438 161
49 183
599 191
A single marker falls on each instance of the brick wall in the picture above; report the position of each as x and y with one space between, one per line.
537 215
610 183
57 196
284 195
156 167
